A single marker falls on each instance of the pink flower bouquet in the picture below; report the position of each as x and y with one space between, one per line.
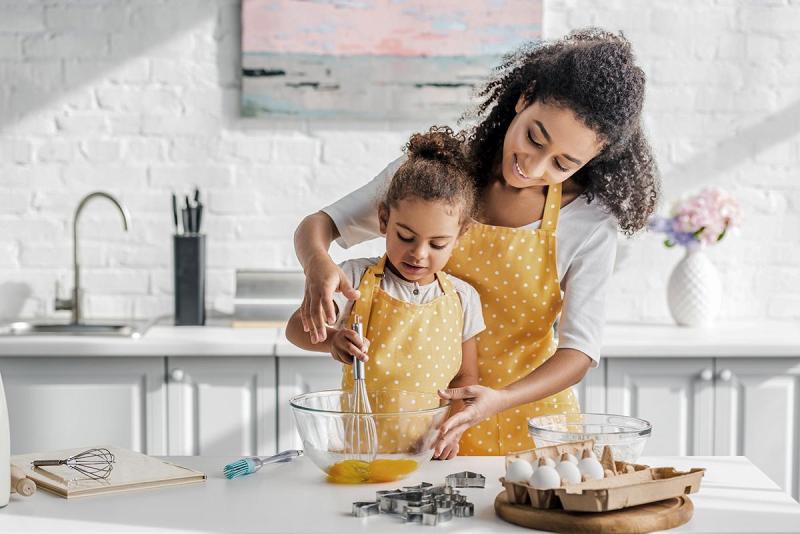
701 219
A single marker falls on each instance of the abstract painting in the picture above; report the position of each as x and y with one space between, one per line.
375 60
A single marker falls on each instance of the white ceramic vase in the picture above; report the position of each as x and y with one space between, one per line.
694 290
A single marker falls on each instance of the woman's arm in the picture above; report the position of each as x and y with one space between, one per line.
312 239
565 368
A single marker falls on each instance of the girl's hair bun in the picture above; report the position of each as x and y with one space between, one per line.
438 144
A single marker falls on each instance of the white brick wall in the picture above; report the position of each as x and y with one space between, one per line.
140 97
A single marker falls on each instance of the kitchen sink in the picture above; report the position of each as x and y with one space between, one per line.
69 329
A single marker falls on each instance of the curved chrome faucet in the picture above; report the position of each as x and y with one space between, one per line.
74 303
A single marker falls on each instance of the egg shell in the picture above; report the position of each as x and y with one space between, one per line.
545 477
519 471
571 458
569 472
591 468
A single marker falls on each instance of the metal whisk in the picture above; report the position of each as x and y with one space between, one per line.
361 441
92 463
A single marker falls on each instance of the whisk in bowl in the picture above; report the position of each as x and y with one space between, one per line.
96 464
361 435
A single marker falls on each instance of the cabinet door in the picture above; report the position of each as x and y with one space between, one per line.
756 415
675 394
591 391
62 403
296 375
221 406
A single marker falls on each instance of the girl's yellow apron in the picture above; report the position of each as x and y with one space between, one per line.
515 273
413 347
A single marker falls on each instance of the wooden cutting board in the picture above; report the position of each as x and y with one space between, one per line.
660 515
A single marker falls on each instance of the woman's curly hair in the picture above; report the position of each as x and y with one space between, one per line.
593 73
437 169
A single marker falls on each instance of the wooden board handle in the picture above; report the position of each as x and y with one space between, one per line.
20 483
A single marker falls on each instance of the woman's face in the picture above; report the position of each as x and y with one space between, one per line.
545 144
420 236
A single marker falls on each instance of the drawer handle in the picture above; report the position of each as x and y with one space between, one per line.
726 375
177 375
706 375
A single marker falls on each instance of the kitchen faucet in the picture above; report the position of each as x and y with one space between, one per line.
74 303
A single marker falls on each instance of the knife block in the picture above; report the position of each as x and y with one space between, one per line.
190 279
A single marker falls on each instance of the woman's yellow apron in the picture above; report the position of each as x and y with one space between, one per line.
413 347
515 273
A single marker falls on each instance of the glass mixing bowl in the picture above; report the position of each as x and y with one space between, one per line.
406 424
625 435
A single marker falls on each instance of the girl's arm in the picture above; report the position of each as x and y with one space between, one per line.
467 376
564 369
342 343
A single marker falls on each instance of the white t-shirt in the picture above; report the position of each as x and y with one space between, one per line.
404 290
586 248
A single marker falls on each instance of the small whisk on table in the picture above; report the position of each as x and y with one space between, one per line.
96 464
361 435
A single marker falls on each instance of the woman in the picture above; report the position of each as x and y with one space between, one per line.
559 156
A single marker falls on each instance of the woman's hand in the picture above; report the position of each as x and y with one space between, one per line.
323 277
345 344
480 402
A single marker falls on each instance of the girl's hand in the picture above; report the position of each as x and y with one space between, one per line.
345 344
480 402
449 449
323 277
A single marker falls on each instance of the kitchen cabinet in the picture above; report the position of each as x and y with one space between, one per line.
61 403
296 375
757 402
675 394
720 406
221 406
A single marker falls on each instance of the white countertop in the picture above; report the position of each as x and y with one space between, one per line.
762 339
735 496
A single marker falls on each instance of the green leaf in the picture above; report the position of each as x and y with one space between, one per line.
668 243
699 231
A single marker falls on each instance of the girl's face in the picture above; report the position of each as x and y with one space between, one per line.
420 236
545 144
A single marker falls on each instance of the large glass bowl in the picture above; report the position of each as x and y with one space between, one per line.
406 423
625 435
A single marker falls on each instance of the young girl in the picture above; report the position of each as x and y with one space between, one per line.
419 323
560 156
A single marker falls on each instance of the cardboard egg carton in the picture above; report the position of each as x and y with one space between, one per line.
624 485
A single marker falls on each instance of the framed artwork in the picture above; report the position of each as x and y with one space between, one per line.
375 60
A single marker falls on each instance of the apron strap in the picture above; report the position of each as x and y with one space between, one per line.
369 283
444 282
552 207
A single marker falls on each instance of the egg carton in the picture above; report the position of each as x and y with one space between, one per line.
624 485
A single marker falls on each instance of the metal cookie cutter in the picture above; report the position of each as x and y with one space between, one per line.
466 479
439 515
464 509
365 509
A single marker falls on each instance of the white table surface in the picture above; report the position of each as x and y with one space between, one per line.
641 340
735 496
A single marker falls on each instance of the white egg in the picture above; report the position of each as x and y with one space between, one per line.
519 471
568 472
570 457
591 468
545 477
547 461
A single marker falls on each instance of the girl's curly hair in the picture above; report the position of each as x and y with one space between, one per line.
437 169
593 73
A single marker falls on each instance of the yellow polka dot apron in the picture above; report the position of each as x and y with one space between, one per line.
514 270
413 347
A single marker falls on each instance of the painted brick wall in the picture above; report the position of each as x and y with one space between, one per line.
140 97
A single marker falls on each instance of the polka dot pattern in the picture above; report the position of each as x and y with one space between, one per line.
514 270
413 347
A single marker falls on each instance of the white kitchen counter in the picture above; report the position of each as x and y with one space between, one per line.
769 339
735 496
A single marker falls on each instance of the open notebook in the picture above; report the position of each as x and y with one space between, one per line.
132 471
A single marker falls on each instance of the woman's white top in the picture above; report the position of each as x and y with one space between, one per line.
586 250
413 293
